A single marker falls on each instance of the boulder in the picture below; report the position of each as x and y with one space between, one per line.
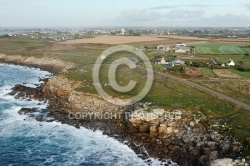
241 164
154 122
211 144
135 121
206 151
170 130
150 116
172 124
216 137
248 140
213 155
158 112
222 162
60 93
163 129
178 142
143 128
192 124
152 130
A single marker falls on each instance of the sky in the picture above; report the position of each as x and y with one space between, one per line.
151 13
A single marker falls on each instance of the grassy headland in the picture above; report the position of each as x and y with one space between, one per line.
166 93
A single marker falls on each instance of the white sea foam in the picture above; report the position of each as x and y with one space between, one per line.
55 143
82 144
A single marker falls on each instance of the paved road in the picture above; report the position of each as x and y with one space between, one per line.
207 90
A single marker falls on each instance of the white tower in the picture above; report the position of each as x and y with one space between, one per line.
123 31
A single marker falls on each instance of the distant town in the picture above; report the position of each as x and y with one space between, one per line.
61 34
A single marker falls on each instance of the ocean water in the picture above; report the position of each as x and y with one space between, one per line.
27 142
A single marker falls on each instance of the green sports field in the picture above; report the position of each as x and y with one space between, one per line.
221 48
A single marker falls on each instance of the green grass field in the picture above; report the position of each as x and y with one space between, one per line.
240 60
165 92
219 48
242 74
23 46
207 72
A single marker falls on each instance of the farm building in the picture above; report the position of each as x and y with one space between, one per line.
161 62
178 62
163 48
180 44
183 49
230 63
175 62
140 48
157 61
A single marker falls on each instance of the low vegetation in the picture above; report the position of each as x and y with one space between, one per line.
221 48
207 72
165 93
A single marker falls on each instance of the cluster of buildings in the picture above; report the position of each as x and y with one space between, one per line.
175 62
178 48
178 62
53 36
229 63
213 32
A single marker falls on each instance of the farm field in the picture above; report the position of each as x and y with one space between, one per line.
114 40
239 89
192 71
242 74
221 48
165 93
138 40
238 59
206 72
225 73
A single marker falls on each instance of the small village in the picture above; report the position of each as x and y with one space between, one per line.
181 51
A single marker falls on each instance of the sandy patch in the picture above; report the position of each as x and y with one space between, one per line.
192 71
113 40
224 73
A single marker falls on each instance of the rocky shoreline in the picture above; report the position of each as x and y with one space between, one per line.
44 63
179 135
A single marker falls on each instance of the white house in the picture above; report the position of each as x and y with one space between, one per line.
163 61
230 63
140 48
175 62
163 48
178 62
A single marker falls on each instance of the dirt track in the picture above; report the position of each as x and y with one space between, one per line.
207 90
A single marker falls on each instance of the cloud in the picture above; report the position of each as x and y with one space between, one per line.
139 15
247 6
162 7
182 18
184 14
227 20
148 15
176 6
